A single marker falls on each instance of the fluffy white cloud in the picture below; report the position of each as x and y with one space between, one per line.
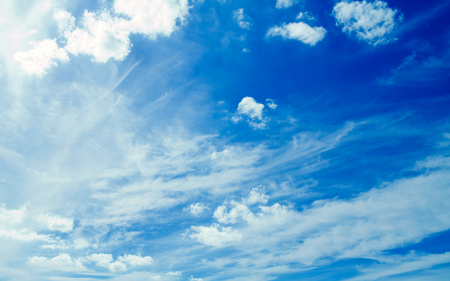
256 196
102 36
174 273
12 216
62 262
285 3
192 278
65 21
234 215
215 235
240 17
55 222
298 31
106 261
197 208
371 21
271 104
152 17
136 260
44 55
252 111
24 235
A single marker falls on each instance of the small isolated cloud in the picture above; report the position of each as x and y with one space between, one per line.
44 55
298 31
305 16
195 279
251 110
106 261
215 235
12 216
271 103
196 209
174 273
285 3
256 196
136 260
245 50
371 22
55 222
62 262
240 18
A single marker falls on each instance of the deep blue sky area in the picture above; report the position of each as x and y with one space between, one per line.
203 140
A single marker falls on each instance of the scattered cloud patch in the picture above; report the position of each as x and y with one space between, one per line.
298 31
136 260
253 112
106 261
62 262
285 3
55 222
44 55
271 104
256 196
195 279
371 21
215 235
305 16
196 209
174 273
241 19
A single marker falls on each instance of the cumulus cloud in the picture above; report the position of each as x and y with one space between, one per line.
62 262
252 111
271 104
174 273
12 216
215 235
195 279
285 3
154 17
106 261
102 36
371 21
240 18
43 56
55 222
136 260
197 208
298 31
256 196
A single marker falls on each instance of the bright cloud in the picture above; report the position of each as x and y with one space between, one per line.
44 55
371 21
215 235
106 261
55 222
240 17
196 209
298 31
285 3
252 111
62 262
136 260
271 104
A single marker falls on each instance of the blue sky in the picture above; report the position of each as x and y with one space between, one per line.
224 140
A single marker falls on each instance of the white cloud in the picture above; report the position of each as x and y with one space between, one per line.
44 55
215 235
271 104
240 17
298 31
12 216
256 196
62 262
305 16
136 260
285 3
195 279
102 36
106 261
55 222
65 21
154 17
253 111
234 215
175 273
371 21
24 235
197 208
